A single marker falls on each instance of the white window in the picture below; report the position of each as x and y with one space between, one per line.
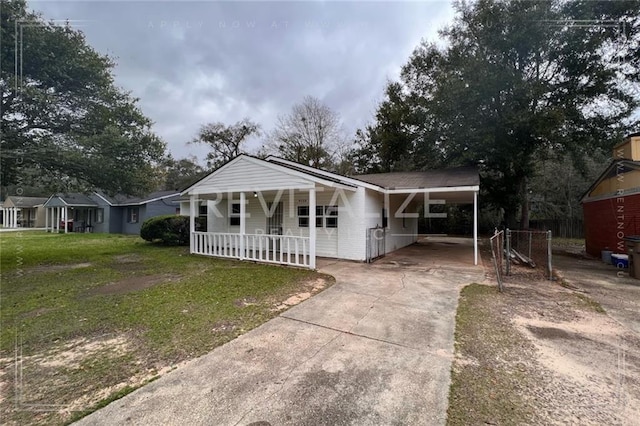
132 214
99 215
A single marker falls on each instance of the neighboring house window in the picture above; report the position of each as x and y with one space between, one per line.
99 215
177 210
303 216
234 215
133 214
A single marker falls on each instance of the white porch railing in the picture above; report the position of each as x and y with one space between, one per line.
282 249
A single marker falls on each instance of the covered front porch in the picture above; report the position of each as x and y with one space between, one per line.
10 217
70 214
257 226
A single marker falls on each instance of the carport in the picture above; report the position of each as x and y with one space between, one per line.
458 185
433 252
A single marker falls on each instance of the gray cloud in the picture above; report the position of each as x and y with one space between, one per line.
195 62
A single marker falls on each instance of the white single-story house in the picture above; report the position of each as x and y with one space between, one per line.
279 211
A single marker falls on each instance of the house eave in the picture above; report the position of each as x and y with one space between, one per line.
620 194
470 188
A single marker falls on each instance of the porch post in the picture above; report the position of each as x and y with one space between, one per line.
475 227
192 223
46 219
312 228
66 218
243 210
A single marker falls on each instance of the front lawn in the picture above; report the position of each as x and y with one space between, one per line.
93 316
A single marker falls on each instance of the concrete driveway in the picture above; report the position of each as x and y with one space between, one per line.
375 348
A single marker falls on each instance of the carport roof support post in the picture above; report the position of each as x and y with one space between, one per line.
475 228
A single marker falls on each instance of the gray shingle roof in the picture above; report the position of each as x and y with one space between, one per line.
76 199
123 200
27 202
128 200
459 176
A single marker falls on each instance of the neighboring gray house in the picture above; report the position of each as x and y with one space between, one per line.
98 212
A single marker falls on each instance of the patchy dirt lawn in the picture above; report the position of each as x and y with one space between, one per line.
117 359
88 318
540 353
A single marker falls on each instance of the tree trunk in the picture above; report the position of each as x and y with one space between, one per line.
524 205
510 217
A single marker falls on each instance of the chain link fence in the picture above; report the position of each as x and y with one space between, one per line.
497 255
529 248
513 252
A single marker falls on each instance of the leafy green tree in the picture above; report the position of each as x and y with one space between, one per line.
225 142
64 123
514 80
559 182
389 144
178 174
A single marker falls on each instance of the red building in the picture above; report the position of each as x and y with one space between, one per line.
612 204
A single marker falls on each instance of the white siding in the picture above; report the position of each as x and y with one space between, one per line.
374 202
357 212
247 174
352 239
400 233
396 235
347 241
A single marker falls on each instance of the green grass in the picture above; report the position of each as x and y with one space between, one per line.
565 243
588 302
53 294
481 392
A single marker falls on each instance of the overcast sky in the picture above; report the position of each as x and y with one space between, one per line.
196 62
